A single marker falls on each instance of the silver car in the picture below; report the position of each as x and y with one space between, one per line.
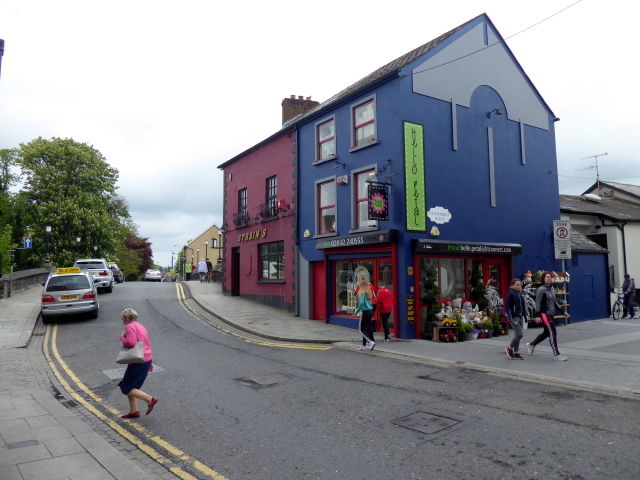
99 270
69 291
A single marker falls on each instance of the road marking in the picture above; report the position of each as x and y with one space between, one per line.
149 450
183 301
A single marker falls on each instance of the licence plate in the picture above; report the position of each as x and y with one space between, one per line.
69 297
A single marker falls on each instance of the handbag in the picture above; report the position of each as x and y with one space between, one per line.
134 354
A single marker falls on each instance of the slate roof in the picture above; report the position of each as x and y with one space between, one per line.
609 208
633 190
581 244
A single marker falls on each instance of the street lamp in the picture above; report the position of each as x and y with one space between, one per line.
206 243
47 230
198 255
95 250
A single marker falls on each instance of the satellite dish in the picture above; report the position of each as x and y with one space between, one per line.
592 197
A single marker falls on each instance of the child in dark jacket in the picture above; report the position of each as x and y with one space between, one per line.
517 312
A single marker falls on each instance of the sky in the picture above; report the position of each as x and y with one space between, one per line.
167 91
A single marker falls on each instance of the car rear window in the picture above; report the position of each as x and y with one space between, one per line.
86 265
68 282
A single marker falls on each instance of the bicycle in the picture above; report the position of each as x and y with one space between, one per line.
618 308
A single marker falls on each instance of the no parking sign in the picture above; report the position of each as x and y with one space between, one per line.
562 239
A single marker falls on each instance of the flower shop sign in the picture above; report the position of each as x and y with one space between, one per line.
378 202
415 189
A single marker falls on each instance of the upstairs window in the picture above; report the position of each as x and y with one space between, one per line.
326 140
272 196
364 123
362 200
327 207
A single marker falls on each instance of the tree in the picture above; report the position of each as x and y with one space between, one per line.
70 187
7 179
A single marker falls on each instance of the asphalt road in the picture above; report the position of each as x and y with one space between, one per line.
252 409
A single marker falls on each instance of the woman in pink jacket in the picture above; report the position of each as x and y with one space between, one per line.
136 373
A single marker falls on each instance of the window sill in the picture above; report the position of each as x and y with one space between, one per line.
365 145
326 235
271 281
361 230
325 160
268 219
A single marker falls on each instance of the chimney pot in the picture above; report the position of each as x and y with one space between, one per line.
293 96
300 97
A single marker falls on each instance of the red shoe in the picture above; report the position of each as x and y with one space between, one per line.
131 415
154 400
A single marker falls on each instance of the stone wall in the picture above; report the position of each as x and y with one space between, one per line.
22 280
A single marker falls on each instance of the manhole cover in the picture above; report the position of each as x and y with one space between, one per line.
26 443
425 422
264 380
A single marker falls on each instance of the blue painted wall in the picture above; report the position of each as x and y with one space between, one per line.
588 289
527 199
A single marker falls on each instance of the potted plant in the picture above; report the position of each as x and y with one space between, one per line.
466 330
488 326
474 334
495 320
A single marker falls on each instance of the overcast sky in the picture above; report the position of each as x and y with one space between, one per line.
167 91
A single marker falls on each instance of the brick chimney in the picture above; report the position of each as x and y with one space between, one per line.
293 106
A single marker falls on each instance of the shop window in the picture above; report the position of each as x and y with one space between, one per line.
452 278
272 261
327 207
326 140
363 126
346 274
362 201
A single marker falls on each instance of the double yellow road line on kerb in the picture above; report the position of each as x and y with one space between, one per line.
302 346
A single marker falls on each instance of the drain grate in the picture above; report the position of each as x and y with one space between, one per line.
265 380
70 403
425 422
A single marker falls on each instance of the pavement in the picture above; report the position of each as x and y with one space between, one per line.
39 435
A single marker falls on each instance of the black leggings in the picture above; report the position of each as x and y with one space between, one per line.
549 331
366 327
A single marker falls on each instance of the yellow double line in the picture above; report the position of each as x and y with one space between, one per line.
302 346
149 449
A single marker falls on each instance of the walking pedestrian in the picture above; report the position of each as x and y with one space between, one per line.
546 305
202 270
209 270
629 292
365 309
188 268
518 315
385 303
136 373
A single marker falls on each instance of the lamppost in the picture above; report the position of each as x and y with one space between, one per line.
78 240
198 255
95 250
206 244
47 230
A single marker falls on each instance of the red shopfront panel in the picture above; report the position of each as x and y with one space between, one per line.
319 291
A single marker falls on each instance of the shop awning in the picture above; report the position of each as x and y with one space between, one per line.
441 247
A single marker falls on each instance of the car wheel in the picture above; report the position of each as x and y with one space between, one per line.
108 289
46 320
94 315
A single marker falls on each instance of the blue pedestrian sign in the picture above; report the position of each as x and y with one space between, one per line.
28 242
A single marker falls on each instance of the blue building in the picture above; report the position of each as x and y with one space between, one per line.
442 159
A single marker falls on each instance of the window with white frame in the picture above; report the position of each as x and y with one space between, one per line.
272 261
272 196
326 140
327 207
362 200
242 202
364 123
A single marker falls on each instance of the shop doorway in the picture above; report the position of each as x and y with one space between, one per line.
235 277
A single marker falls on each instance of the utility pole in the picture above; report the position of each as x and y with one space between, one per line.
591 167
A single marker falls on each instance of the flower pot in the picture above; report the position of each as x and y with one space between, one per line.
482 335
489 333
497 333
470 336
462 336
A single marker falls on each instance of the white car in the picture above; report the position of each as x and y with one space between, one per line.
99 270
153 275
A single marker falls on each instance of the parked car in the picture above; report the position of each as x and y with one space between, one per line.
152 275
69 291
118 276
99 270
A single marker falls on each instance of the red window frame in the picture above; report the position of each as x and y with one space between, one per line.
361 178
322 208
322 141
358 126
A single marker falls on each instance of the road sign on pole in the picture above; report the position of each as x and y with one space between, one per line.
28 242
562 239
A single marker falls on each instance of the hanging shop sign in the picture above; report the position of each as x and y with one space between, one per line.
439 215
465 248
378 196
415 189
369 238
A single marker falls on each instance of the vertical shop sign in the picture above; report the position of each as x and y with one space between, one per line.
378 202
411 313
415 194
